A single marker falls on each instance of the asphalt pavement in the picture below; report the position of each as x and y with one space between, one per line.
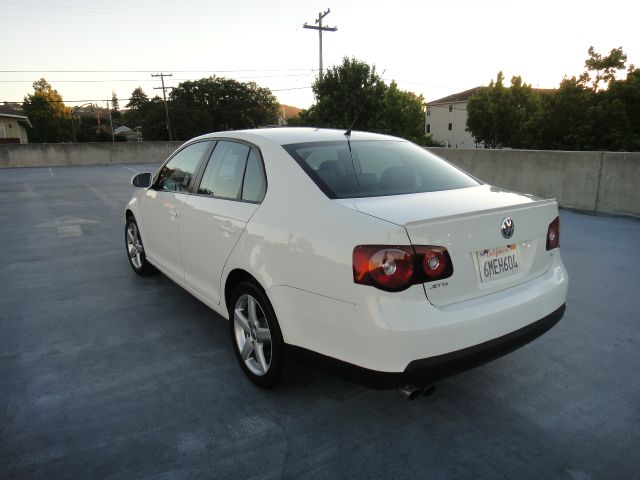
104 374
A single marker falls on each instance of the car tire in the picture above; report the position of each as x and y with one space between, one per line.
256 337
135 248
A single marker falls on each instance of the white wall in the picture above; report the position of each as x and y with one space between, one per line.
440 117
10 128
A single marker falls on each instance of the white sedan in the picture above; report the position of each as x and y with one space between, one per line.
359 253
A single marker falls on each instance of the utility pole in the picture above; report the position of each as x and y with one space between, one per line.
164 97
113 137
320 29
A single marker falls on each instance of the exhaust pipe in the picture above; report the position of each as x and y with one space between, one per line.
408 392
428 390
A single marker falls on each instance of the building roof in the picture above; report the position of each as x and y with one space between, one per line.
21 119
122 129
464 96
456 97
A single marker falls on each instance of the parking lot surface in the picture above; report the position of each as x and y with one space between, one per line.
104 374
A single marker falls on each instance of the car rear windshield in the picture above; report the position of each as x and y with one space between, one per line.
372 168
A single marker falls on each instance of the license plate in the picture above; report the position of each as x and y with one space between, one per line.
498 263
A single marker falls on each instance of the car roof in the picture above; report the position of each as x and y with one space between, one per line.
288 135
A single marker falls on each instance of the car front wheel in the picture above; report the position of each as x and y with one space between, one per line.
135 249
257 340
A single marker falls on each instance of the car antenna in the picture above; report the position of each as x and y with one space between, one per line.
348 135
348 132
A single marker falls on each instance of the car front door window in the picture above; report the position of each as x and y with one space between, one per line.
178 172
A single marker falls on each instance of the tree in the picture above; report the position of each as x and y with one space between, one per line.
504 117
138 99
564 124
148 114
50 118
115 106
526 107
153 120
217 103
88 127
602 69
593 111
480 118
404 114
352 93
627 93
349 92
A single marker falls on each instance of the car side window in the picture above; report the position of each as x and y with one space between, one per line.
224 173
254 184
176 175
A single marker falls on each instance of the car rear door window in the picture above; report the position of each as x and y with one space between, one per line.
254 184
224 173
177 173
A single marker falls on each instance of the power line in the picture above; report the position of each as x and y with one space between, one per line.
320 29
128 99
175 71
164 97
292 88
301 75
72 9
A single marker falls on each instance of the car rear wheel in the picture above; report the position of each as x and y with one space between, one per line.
135 249
257 340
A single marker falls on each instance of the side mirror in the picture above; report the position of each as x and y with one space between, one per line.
141 180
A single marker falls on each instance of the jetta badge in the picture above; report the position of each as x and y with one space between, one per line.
507 227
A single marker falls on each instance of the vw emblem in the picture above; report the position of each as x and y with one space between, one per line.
507 227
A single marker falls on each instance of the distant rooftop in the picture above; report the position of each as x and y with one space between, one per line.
21 119
464 96
456 97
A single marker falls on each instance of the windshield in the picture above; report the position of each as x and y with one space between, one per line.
376 168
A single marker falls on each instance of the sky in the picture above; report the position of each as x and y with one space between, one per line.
86 50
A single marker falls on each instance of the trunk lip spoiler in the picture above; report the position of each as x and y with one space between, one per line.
483 212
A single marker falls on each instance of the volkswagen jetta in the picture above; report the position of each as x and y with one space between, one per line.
358 252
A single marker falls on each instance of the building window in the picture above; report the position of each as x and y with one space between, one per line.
428 111
428 128
450 108
450 126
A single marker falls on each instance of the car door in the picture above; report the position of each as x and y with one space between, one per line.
212 220
162 205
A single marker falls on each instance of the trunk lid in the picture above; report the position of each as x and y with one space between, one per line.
468 222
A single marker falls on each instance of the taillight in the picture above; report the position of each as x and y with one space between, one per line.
553 234
396 268
435 261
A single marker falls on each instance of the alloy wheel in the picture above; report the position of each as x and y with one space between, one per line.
252 334
134 245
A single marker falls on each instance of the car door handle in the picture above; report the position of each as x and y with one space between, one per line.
228 228
173 214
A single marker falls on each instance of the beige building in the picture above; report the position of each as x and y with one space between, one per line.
13 128
446 120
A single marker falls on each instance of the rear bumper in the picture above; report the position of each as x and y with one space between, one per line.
387 332
426 370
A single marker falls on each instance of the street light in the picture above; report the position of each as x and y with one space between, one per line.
73 123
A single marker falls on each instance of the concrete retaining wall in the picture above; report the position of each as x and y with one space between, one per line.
594 181
60 154
604 182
